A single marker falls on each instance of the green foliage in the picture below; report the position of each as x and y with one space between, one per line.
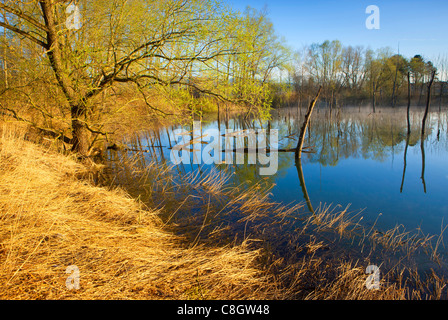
194 51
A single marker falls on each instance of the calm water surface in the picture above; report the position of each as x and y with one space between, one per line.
360 159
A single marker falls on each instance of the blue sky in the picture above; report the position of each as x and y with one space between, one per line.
418 27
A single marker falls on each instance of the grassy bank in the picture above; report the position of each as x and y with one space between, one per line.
52 217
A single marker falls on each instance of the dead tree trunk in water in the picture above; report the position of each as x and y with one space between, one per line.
428 101
409 103
394 96
305 125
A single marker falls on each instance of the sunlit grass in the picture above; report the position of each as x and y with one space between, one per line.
51 219
186 237
332 245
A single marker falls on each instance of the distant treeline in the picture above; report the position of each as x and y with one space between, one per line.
357 74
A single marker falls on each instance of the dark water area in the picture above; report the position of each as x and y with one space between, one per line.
366 161
355 158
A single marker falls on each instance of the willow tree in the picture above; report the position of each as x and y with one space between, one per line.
259 55
143 43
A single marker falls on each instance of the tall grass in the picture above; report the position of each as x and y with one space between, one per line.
52 218
311 256
183 237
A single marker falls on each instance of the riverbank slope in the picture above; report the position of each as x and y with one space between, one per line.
51 218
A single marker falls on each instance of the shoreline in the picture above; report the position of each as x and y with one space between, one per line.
53 218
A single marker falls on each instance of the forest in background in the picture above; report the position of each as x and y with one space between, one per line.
363 75
131 63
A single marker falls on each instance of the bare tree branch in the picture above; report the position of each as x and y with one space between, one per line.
19 13
50 132
25 34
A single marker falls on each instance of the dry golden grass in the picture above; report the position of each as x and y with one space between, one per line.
310 256
51 217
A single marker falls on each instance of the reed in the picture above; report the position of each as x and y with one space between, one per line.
51 218
309 255
186 236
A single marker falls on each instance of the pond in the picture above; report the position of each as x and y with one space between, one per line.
355 158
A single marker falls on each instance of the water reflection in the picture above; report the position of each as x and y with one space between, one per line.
422 148
350 160
405 161
303 186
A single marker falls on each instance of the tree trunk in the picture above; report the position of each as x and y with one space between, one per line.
305 125
80 131
409 103
81 137
428 101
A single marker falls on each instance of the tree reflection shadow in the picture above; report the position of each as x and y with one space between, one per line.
405 161
422 147
303 185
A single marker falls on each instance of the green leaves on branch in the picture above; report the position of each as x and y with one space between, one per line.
132 49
